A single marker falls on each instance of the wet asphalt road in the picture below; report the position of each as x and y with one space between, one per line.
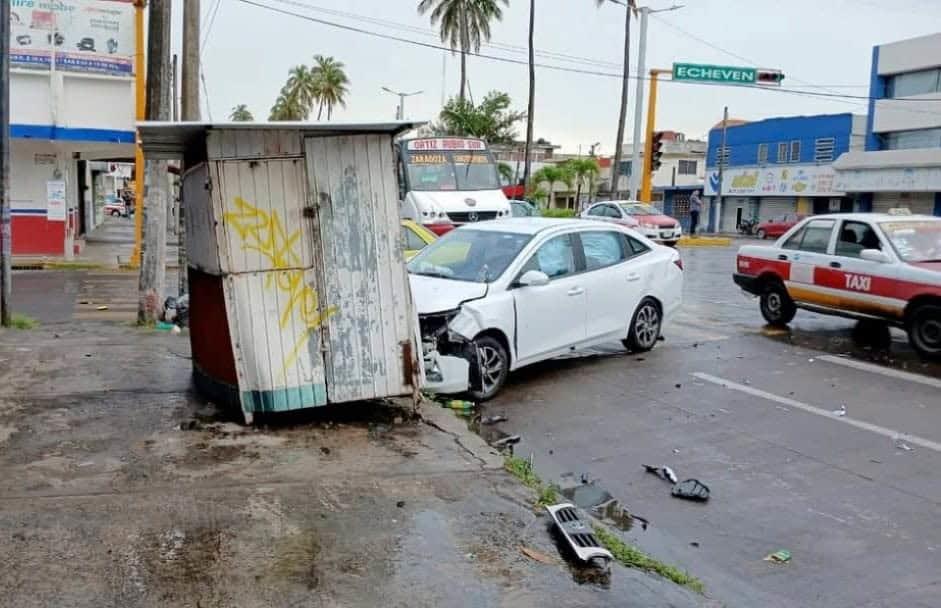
749 412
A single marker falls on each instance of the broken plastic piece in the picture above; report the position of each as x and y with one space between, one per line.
506 441
840 412
691 489
662 472
493 419
579 536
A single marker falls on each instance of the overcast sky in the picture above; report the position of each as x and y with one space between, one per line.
249 50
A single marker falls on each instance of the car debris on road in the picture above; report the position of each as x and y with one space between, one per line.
662 472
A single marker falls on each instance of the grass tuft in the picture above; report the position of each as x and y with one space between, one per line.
18 321
632 557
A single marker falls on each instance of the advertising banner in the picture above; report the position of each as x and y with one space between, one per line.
78 35
55 201
786 180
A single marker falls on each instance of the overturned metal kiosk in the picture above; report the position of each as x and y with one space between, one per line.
299 295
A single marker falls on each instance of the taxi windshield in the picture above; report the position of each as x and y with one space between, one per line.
915 240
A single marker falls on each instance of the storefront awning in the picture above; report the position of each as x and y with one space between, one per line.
889 171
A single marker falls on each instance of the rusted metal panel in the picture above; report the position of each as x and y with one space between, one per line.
260 215
202 252
275 319
247 144
352 180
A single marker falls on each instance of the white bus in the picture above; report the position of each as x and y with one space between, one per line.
448 181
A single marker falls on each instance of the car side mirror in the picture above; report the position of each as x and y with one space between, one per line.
874 255
533 278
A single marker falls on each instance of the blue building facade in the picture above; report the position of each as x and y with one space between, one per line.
779 166
901 163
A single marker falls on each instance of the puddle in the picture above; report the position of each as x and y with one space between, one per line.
602 505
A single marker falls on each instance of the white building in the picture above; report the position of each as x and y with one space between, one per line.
901 165
72 101
682 163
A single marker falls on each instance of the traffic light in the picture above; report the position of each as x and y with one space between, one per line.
656 150
770 77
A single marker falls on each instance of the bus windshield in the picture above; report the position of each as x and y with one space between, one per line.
451 170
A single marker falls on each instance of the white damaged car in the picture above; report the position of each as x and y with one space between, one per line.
496 296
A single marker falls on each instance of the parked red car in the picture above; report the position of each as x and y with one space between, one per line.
777 226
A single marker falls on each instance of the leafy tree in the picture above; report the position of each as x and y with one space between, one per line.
552 175
584 172
329 84
288 106
241 113
492 120
506 172
463 24
628 6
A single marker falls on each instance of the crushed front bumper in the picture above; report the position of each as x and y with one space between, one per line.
447 356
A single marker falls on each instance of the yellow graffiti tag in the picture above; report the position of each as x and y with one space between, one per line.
262 231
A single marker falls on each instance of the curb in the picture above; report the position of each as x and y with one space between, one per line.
704 241
56 265
444 420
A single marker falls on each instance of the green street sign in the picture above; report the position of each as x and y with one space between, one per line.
714 73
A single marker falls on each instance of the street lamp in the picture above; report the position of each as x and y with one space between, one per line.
400 111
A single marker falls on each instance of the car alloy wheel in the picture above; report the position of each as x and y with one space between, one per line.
645 327
493 367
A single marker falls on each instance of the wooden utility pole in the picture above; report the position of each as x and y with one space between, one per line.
622 112
175 89
190 105
531 108
190 84
154 265
6 234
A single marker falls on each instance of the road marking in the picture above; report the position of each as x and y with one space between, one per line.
885 371
866 426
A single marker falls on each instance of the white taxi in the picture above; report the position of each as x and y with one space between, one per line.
873 266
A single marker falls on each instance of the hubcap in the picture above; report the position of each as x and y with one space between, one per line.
930 332
774 303
647 326
491 367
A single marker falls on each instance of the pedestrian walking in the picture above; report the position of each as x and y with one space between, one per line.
695 208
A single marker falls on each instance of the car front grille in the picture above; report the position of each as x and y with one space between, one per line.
463 217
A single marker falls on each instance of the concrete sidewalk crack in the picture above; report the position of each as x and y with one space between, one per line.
457 440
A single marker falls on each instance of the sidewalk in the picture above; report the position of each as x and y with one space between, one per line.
119 487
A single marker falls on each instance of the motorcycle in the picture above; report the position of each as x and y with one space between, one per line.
748 227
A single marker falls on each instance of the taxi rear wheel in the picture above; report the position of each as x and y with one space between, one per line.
924 330
777 307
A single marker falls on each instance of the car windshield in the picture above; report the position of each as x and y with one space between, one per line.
915 240
452 170
477 256
639 209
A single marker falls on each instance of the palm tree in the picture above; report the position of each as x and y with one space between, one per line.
532 93
241 113
329 84
629 6
552 175
288 107
463 24
302 86
584 171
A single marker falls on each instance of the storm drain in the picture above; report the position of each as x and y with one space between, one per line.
577 533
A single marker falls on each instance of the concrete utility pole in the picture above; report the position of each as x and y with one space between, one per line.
6 247
719 159
154 265
531 107
645 11
175 88
400 110
190 84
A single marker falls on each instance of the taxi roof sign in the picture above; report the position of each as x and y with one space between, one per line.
899 211
447 143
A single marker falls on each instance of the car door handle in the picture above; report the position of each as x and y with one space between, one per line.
576 291
836 265
633 277
782 257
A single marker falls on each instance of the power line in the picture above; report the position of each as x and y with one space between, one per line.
214 10
437 47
